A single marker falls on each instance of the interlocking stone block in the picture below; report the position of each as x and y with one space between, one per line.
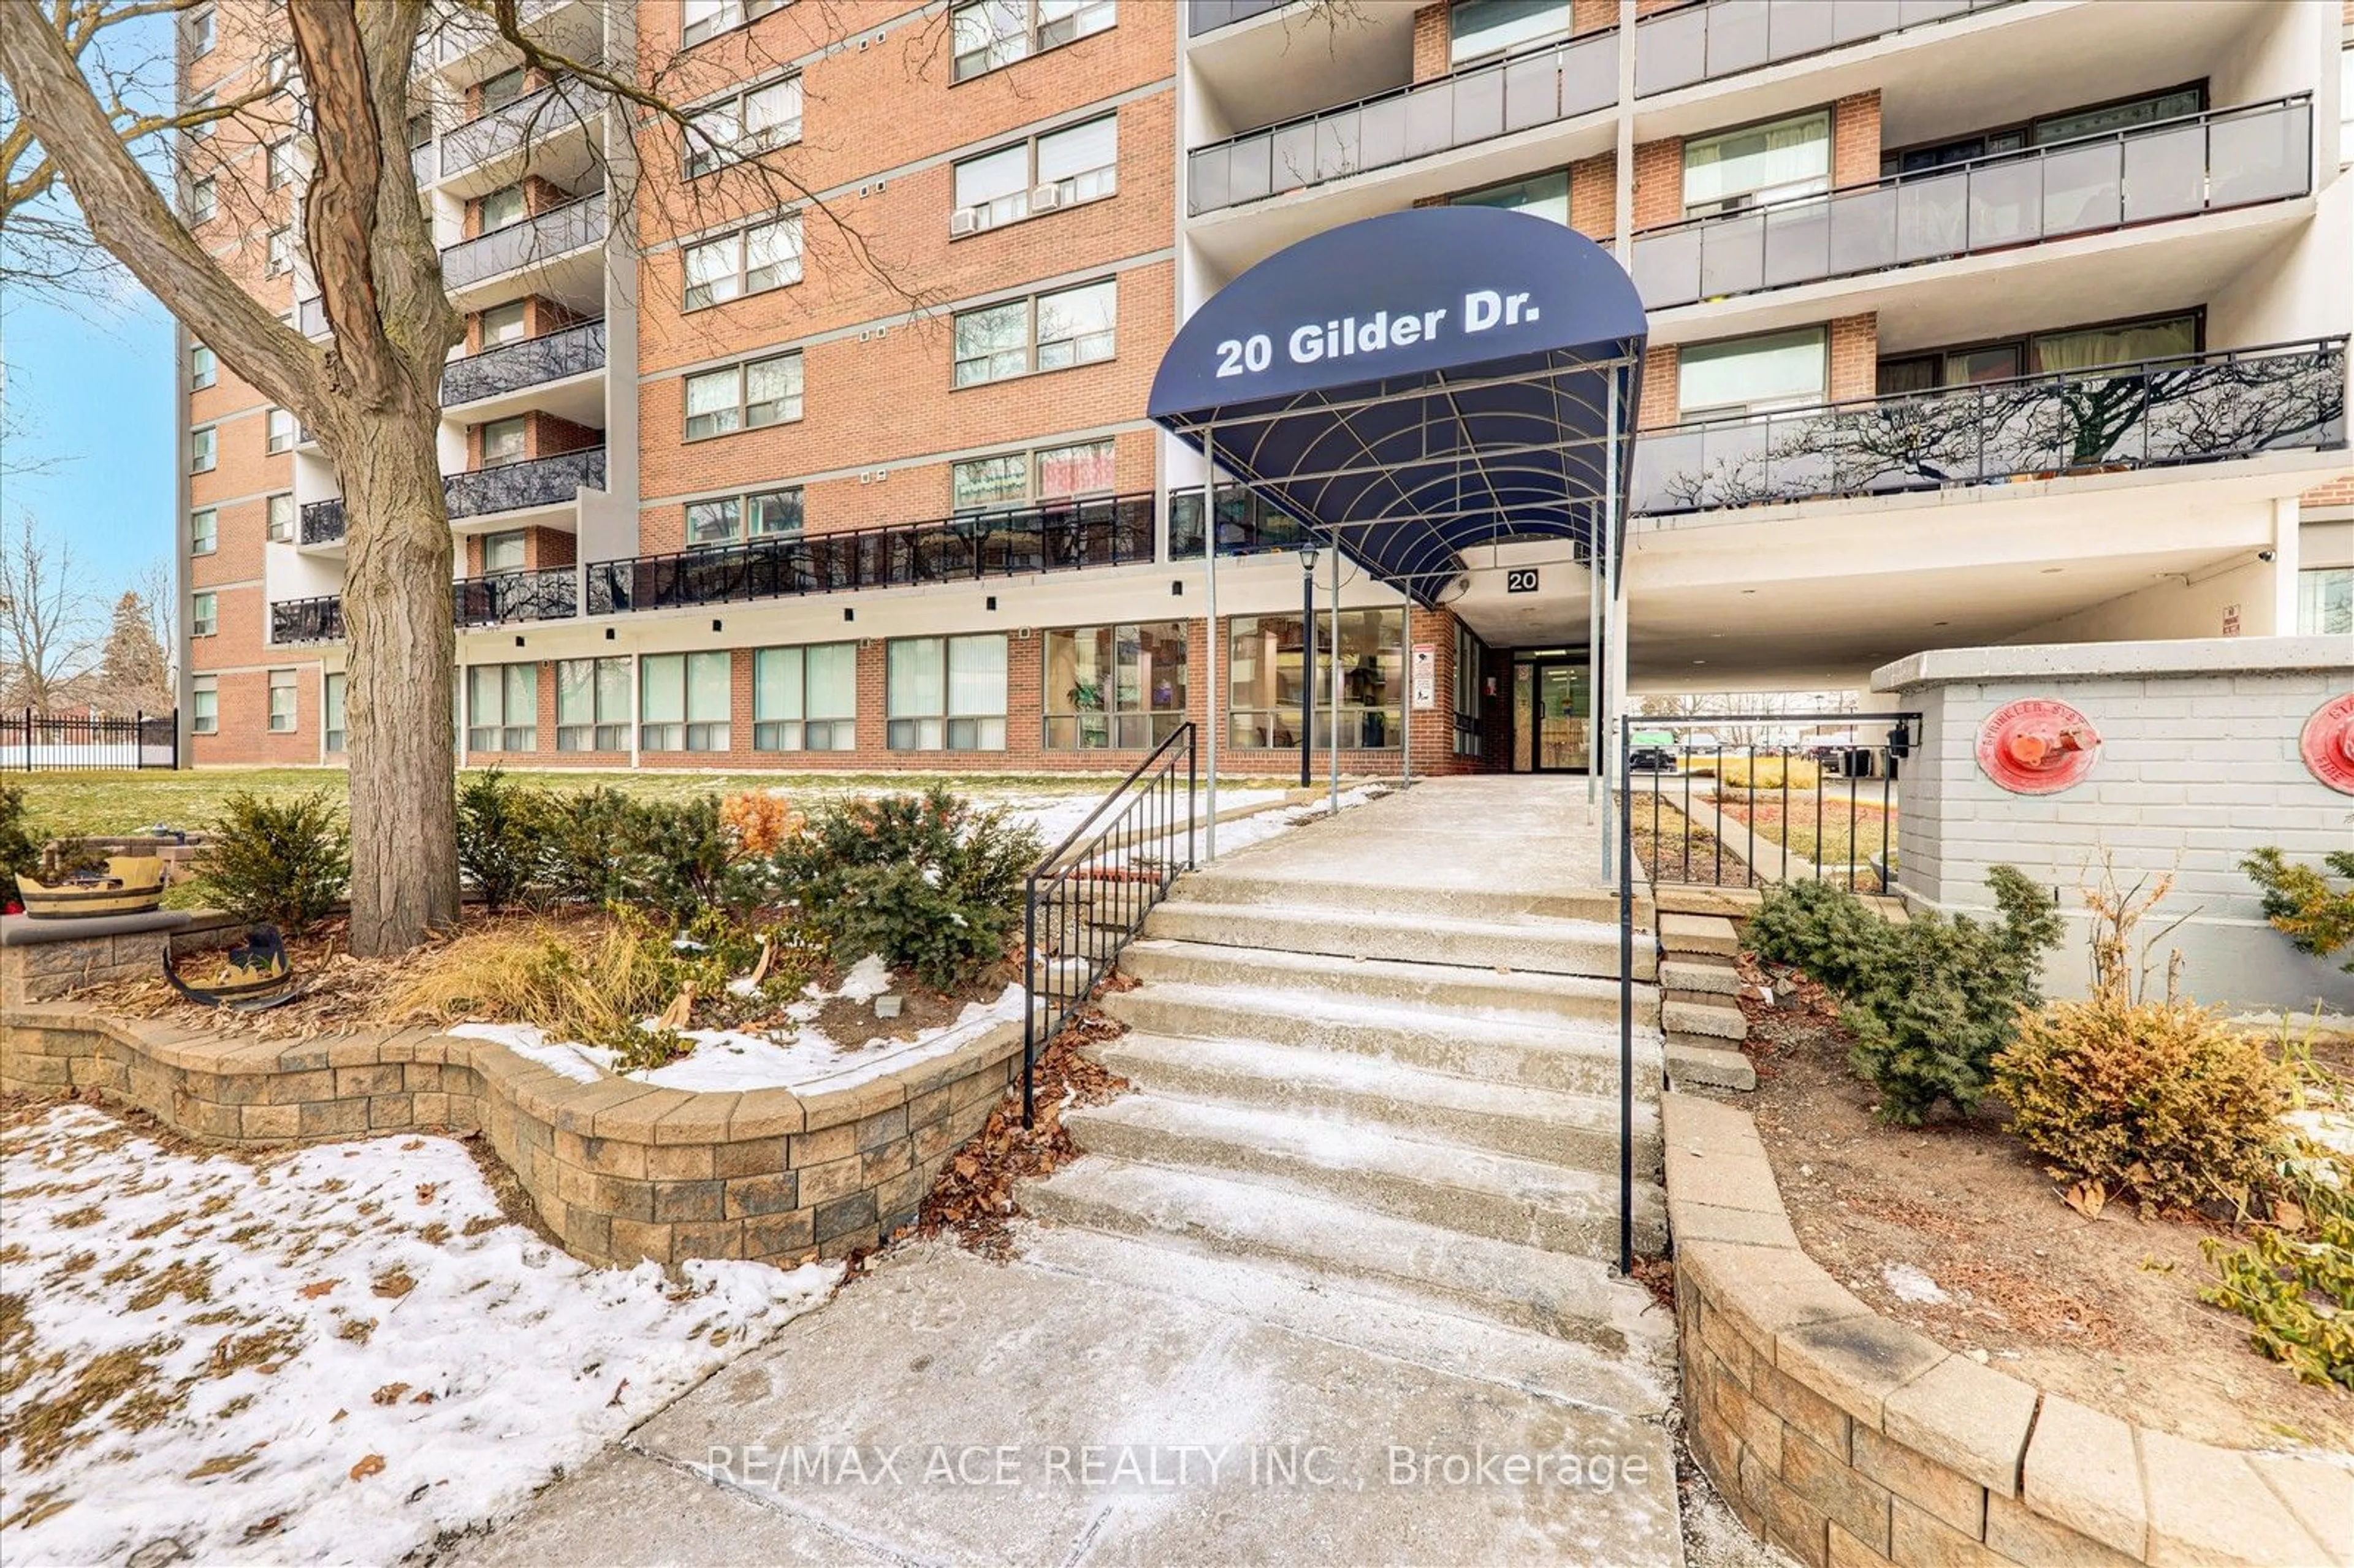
776 1192
1723 1179
703 1120
1766 1291
678 1201
635 1119
823 1146
779 1235
1855 1363
1966 1417
1917 1541
2082 1471
747 1155
2012 1529
1847 1551
2320 1494
823 1185
2209 1506
579 1112
766 1113
679 1161
1847 1498
834 1107
1791 1522
1952 1499
714 1238
1756 1427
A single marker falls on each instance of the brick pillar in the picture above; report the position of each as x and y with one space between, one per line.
1659 182
1594 196
1855 139
1657 407
1431 42
1854 357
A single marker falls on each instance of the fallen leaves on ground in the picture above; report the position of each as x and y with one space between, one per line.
371 1466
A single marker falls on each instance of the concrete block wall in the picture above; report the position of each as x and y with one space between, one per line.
2198 765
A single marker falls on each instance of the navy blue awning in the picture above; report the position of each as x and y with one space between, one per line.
1419 383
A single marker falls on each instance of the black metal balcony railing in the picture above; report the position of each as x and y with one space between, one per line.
2199 162
541 238
1713 39
323 521
542 481
534 117
573 351
1066 535
1248 526
1557 81
1207 16
2204 407
551 594
317 620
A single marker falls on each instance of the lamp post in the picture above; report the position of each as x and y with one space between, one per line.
1307 664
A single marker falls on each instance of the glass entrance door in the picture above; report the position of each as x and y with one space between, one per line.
1552 717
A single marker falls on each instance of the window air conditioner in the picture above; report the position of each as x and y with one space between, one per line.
1045 198
964 220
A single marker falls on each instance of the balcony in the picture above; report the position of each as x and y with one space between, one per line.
510 368
1714 38
505 596
322 522
1248 526
1068 535
1556 81
540 238
512 487
1208 15
307 619
2208 407
2200 162
533 117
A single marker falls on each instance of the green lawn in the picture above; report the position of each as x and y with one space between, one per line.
110 803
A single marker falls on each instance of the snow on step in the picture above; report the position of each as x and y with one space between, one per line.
1567 1297
1238 885
1457 990
1269 1292
1524 942
1509 1118
1501 1197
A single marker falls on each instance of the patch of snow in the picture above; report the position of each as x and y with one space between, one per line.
1911 1285
2328 1128
581 1063
733 1059
282 1430
868 978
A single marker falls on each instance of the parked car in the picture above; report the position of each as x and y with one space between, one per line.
1652 751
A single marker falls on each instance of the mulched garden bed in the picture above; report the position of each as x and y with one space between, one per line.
2104 1311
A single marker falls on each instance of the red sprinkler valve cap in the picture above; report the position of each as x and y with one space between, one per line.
2327 744
2037 747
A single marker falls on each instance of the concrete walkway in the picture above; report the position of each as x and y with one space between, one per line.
1330 1290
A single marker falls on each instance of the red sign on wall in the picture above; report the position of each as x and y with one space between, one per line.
2327 744
2037 746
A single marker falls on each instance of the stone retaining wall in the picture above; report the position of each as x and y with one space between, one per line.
1849 1440
620 1170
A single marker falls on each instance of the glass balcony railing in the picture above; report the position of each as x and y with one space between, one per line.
510 487
552 594
1064 536
534 117
1248 526
307 619
1208 15
511 366
1555 82
1713 39
543 237
421 163
2203 408
2200 162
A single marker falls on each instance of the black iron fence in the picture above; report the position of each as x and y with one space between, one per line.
1089 895
34 742
1740 801
2189 408
1062 535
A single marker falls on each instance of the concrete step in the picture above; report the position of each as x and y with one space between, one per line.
1509 996
1689 1014
1499 1197
1439 1337
1527 944
1580 1058
1569 1297
1690 1062
1241 884
1698 935
1704 977
1574 1129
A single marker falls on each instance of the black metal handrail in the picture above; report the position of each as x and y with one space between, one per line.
2088 185
1061 535
1087 896
538 482
550 593
1248 524
510 367
2180 410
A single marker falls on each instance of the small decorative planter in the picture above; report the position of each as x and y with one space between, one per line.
131 885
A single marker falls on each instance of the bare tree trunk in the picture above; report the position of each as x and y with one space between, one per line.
403 645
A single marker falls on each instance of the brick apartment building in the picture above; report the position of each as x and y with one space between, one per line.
1953 341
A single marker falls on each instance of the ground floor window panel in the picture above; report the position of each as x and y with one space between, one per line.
683 702
1114 686
945 693
204 710
281 700
1267 657
592 705
2325 601
503 707
332 709
805 699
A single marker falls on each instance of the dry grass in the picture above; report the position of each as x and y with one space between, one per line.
1837 841
1758 772
1674 848
575 979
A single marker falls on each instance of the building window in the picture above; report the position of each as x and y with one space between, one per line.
330 711
202 32
281 700
805 699
503 552
1264 680
1757 165
281 163
743 397
503 707
1478 27
279 527
204 614
204 705
988 34
945 692
732 519
504 324
765 257
203 531
200 104
2049 353
1114 686
706 17
1752 375
204 450
1468 650
203 201
592 705
278 70
504 208
1540 196
278 252
500 91
1080 162
2325 601
683 702
1072 327
503 442
744 126
279 425
204 368
1016 479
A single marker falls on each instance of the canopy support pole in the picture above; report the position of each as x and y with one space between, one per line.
1335 747
1605 573
1210 631
1405 701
